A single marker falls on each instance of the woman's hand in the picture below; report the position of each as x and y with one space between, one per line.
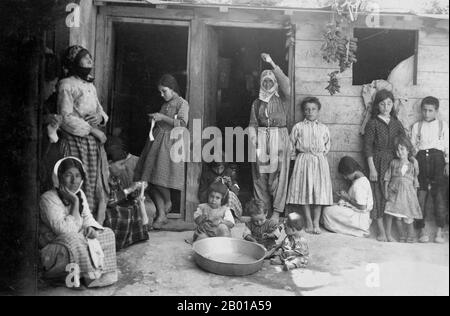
94 119
267 58
91 233
373 175
99 135
68 195
446 170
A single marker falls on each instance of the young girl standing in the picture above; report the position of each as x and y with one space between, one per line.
401 184
379 149
310 184
155 164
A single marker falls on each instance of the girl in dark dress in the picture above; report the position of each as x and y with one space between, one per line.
379 149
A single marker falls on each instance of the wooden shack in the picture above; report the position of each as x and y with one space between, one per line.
213 49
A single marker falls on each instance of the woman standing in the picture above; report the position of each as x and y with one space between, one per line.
269 117
82 120
155 164
69 234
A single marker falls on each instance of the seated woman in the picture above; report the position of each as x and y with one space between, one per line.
69 236
351 216
129 213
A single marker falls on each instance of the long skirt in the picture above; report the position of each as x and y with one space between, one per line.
93 156
156 165
270 180
344 220
311 181
73 249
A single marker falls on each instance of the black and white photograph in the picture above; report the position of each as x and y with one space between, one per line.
208 149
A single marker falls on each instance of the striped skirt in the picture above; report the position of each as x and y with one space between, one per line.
310 181
76 248
95 162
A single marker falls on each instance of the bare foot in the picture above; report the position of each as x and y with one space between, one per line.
317 231
160 222
390 238
382 238
275 217
309 229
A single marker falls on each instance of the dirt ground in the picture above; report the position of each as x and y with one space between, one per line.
339 265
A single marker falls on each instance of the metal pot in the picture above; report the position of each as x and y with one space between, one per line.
229 256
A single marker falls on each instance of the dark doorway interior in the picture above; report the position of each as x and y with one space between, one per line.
239 70
143 53
380 51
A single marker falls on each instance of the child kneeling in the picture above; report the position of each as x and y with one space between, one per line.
214 219
294 252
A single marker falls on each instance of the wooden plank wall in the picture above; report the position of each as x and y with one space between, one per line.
343 112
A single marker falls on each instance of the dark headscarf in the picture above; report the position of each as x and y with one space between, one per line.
72 58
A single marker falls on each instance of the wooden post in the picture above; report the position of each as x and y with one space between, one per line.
84 35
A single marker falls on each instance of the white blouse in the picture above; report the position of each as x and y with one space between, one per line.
56 216
76 100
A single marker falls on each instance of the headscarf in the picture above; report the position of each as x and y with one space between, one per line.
55 180
71 61
55 177
264 94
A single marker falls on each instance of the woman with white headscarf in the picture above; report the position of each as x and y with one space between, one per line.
71 240
269 118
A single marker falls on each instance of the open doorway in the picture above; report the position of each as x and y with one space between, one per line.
143 53
237 72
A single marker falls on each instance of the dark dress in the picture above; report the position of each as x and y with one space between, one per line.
379 144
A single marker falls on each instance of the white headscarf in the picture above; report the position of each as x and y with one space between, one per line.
55 178
264 94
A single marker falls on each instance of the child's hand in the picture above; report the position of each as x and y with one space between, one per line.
268 236
90 233
373 175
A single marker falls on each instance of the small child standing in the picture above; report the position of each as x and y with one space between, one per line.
260 229
221 171
294 252
214 219
401 185
310 184
430 137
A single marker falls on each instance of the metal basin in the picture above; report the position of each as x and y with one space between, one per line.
229 256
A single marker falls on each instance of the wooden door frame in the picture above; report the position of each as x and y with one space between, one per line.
104 65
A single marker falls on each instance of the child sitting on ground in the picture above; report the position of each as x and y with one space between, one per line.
294 252
260 229
222 171
214 219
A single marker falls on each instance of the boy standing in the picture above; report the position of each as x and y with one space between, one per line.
430 136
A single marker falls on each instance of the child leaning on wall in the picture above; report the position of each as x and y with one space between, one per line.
430 137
